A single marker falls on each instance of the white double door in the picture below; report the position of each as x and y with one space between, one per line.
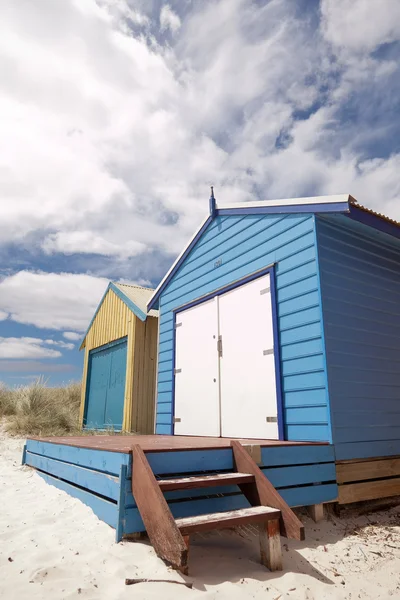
224 365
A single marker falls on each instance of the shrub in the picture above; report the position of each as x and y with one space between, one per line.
7 401
36 409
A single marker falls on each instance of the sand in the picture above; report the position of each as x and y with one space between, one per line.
53 547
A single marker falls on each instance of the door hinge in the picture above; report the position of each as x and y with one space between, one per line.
178 325
265 291
176 371
272 419
177 419
219 346
266 352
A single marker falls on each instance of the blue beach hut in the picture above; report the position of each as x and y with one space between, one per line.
281 320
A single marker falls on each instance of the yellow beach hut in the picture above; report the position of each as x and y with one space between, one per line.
119 373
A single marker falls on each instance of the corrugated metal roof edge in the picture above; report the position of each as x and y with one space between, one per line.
353 202
129 303
150 313
133 285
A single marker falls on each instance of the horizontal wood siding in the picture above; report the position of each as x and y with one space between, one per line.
98 460
100 483
231 248
105 510
95 477
360 287
360 480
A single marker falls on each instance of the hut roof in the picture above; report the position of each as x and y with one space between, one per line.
342 203
134 296
139 295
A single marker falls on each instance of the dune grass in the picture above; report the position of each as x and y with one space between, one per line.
36 409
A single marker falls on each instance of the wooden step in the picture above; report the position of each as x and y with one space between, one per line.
204 481
223 520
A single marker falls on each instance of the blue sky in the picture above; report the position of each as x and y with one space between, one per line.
117 115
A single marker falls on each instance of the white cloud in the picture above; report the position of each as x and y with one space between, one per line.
26 347
121 12
3 315
110 138
361 25
60 343
72 335
51 300
85 242
169 19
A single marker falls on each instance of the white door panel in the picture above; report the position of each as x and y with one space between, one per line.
247 366
197 410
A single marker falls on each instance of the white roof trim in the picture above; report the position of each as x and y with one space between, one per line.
177 259
289 202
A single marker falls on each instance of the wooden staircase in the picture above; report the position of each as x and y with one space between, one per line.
170 537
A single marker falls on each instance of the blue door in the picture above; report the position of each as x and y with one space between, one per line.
106 387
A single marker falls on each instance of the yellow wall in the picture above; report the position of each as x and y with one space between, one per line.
110 323
115 320
145 375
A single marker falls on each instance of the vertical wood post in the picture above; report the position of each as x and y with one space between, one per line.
136 536
24 455
316 512
130 418
185 568
119 530
270 545
264 493
84 384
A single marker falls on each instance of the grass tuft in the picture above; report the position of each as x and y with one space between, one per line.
7 401
36 409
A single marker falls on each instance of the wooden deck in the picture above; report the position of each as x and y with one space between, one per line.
161 443
98 470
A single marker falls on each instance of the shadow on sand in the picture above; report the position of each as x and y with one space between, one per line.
234 556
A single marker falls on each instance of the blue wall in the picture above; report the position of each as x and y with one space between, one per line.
360 286
242 245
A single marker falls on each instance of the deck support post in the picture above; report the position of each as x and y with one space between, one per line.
185 569
316 512
23 456
264 493
119 530
136 536
270 545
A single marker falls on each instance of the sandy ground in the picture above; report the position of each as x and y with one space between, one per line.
53 547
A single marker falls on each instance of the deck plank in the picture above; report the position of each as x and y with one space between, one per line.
160 443
364 470
224 520
369 490
204 481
